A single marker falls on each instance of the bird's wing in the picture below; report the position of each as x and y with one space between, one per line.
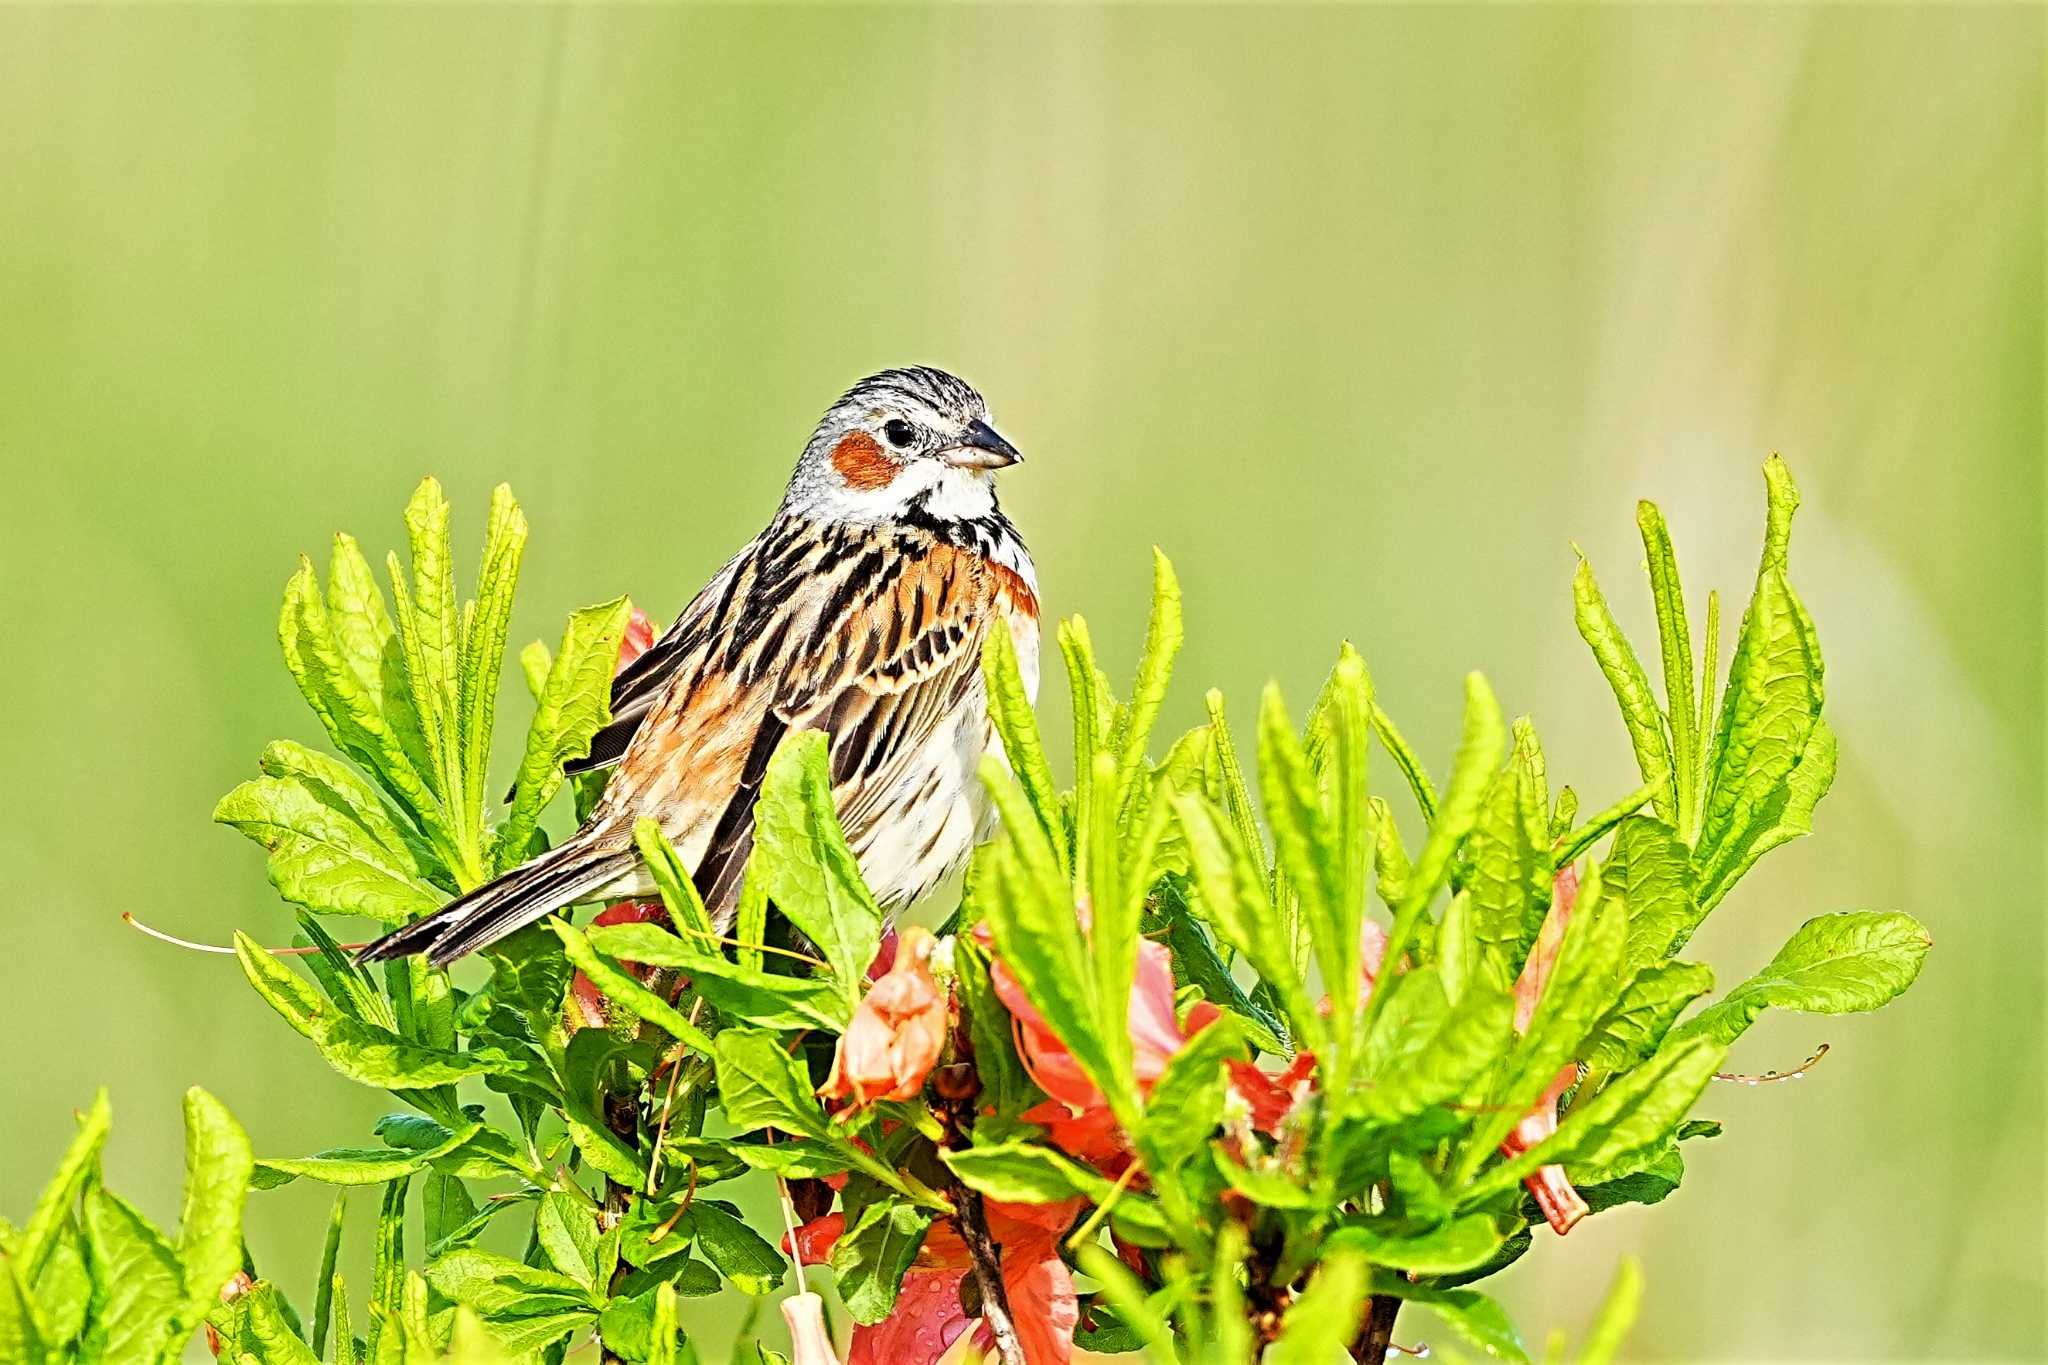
872 636
641 683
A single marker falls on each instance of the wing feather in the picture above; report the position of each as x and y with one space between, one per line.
811 631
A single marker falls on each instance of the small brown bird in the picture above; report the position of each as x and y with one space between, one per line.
860 611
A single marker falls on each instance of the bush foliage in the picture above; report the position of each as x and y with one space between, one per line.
1210 1063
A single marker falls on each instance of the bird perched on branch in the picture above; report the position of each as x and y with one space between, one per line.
860 611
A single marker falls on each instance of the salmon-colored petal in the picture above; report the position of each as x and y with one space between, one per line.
926 1321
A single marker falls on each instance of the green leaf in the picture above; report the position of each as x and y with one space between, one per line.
1583 981
743 1256
1009 704
137 1281
1022 1173
353 715
1674 639
1479 1320
762 1086
1833 964
749 994
1424 1051
1186 1104
1785 815
255 1327
1616 1316
664 1334
1472 769
218 1164
1510 871
566 1229
359 1165
1405 759
871 1257
1634 1114
1004 1082
64 1288
362 1052
1634 1027
625 991
597 1064
1322 1322
1030 908
1768 711
502 1290
1267 1183
1624 673
38 1237
1650 869
1231 885
323 1288
483 643
675 885
1305 846
1163 636
1571 844
574 705
810 873
1457 1245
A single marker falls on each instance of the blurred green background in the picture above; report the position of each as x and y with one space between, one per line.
1364 315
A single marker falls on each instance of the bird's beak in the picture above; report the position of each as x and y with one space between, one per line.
981 448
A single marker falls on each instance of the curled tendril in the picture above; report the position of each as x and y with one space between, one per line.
1767 1077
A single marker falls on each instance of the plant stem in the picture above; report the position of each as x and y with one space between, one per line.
1378 1332
972 1222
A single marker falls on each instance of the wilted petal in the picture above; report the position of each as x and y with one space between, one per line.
897 1033
639 636
810 1343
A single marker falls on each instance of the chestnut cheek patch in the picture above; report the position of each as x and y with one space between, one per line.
860 460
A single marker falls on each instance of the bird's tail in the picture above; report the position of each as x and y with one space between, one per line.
476 919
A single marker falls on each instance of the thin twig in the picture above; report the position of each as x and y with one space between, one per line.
1378 1332
971 1219
667 1104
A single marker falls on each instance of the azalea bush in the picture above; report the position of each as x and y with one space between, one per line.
1210 1063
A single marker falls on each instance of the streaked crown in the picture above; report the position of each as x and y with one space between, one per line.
901 439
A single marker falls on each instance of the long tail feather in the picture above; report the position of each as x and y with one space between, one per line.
479 918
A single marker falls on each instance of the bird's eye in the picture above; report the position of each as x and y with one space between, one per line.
899 432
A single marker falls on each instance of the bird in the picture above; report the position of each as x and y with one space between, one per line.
861 610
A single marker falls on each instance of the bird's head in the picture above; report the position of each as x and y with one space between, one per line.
901 443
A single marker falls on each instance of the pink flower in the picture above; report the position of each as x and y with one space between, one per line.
1562 1207
928 1318
898 1030
639 636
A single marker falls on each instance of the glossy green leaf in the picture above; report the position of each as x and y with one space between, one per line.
1457 1245
1631 685
218 1164
1650 871
871 1257
360 1051
1834 964
138 1283
1477 1319
38 1237
482 654
1635 1025
359 1165
574 705
809 872
1322 1322
1674 640
746 994
623 990
1009 702
742 1255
